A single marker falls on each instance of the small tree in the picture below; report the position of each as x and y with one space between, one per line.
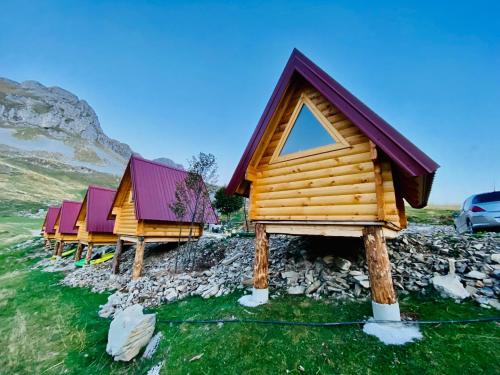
227 204
194 192
179 209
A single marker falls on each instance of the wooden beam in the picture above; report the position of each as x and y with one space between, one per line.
138 260
78 253
379 266
261 261
400 204
90 248
379 182
60 250
115 267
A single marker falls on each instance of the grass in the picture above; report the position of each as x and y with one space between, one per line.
50 329
431 215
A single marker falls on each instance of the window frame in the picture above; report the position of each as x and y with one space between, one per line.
340 142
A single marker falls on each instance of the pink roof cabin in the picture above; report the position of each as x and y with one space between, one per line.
142 205
66 221
320 162
93 223
48 229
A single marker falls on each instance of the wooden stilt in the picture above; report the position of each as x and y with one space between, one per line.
139 259
61 248
115 267
90 247
261 261
379 266
79 250
56 247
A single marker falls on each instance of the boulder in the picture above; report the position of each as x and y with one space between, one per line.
495 258
299 289
450 285
313 287
342 264
476 275
129 331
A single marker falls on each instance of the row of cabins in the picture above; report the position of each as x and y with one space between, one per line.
137 212
319 162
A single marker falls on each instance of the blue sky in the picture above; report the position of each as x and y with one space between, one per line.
174 78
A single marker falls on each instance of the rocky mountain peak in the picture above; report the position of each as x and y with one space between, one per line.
57 112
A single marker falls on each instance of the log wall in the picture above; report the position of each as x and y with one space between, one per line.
336 185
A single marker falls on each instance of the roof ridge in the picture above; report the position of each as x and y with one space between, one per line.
101 188
157 163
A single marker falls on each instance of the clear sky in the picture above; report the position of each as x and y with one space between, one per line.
175 78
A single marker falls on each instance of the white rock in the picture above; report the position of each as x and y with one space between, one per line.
152 346
450 286
365 283
155 370
495 258
290 275
129 331
299 289
476 275
313 287
494 303
342 264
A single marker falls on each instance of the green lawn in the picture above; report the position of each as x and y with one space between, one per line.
50 329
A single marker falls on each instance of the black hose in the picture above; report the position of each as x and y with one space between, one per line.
328 324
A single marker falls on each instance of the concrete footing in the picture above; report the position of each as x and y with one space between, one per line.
393 333
257 298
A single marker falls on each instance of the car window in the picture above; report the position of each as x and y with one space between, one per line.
488 197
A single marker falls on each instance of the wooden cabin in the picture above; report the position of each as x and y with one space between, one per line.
94 227
48 231
65 225
320 162
142 209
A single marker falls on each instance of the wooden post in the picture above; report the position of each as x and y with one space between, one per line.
90 247
139 259
56 247
61 248
379 266
261 261
115 268
78 253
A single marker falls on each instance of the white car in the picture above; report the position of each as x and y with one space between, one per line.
479 212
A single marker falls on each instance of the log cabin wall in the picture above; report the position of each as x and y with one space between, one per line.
83 235
125 221
161 229
339 185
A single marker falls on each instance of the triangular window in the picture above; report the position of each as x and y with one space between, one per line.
308 132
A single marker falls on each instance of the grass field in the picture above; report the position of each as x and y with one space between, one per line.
50 329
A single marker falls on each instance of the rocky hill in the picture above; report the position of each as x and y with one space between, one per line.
52 146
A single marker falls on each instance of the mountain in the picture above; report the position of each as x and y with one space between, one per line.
169 162
52 146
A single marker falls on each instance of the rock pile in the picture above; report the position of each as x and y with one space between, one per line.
317 267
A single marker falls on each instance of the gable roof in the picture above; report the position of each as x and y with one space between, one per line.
96 205
415 169
50 219
67 217
154 185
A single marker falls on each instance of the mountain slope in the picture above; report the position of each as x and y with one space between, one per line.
52 146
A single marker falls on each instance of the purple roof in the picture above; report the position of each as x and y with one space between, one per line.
50 220
67 217
154 186
416 169
98 201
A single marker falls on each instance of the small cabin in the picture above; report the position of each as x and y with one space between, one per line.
94 227
65 225
320 162
142 209
48 231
